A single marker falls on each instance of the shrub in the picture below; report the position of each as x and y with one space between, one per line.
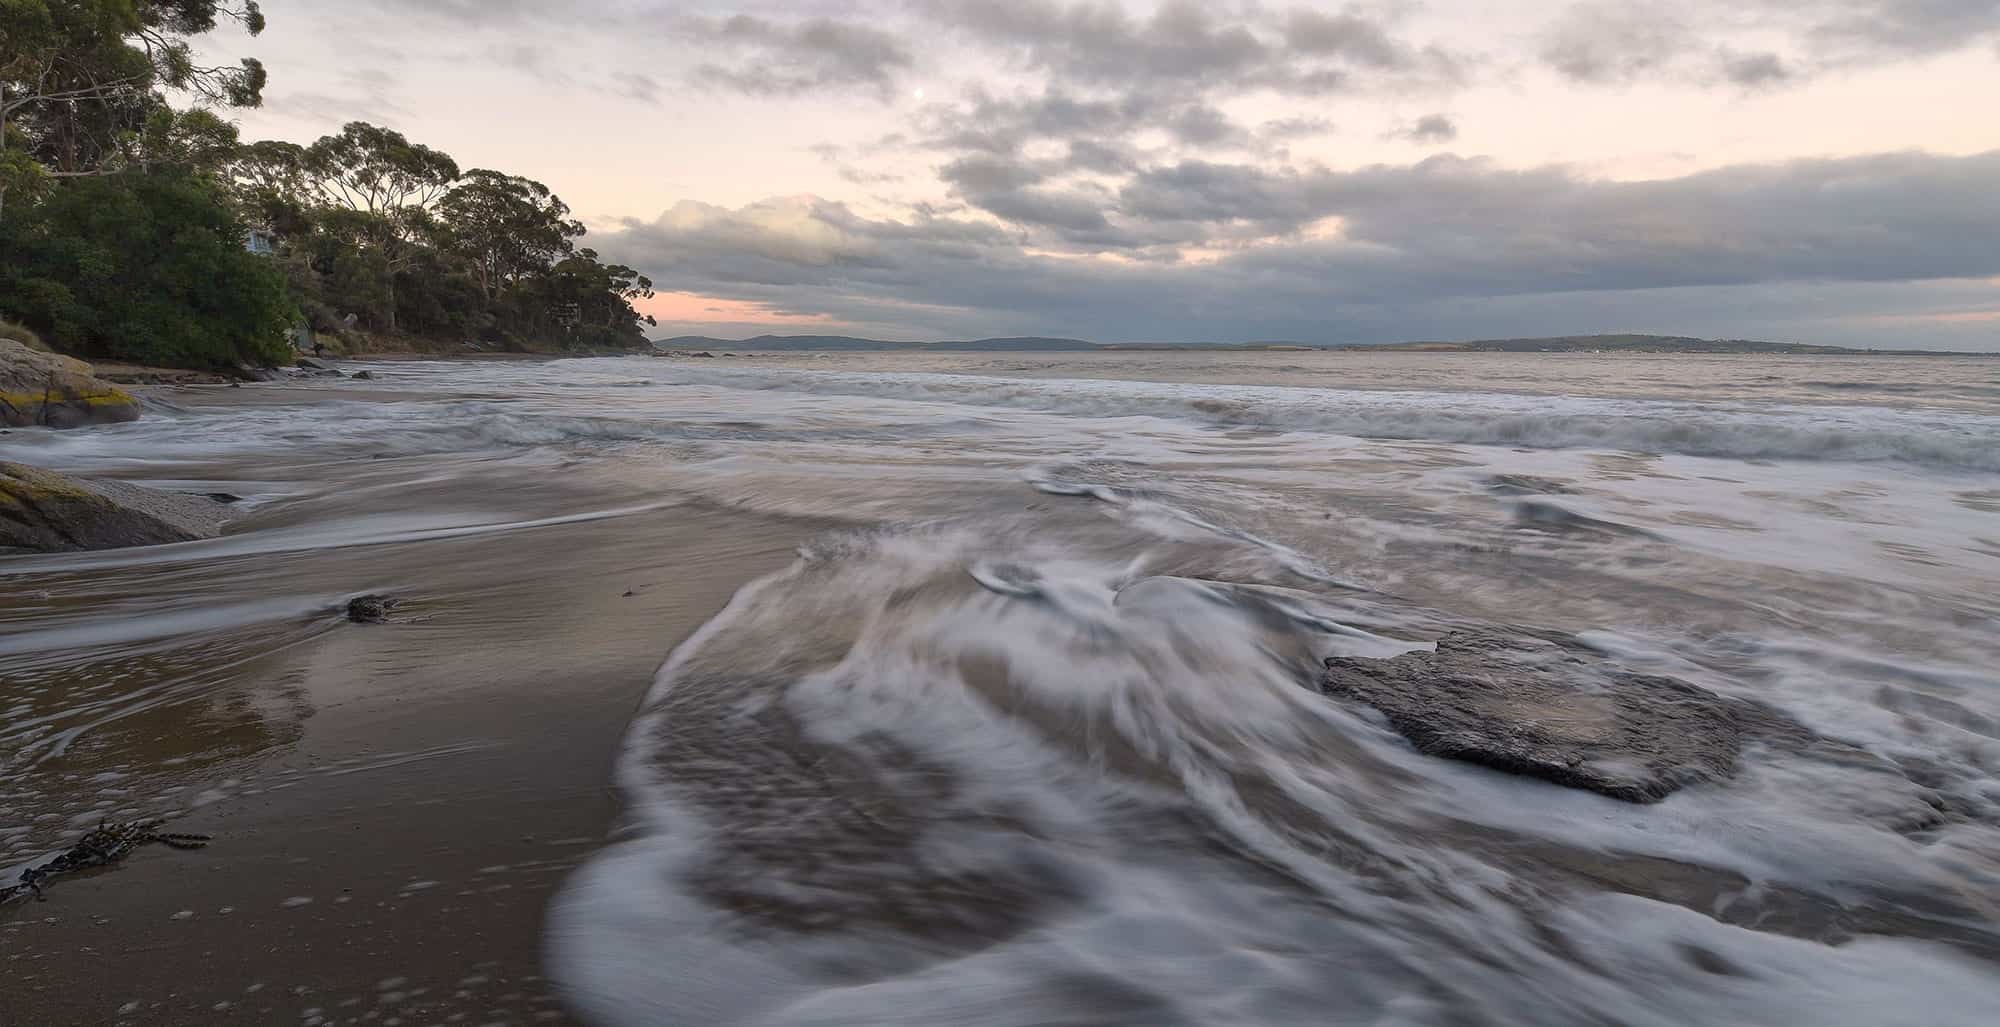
22 334
144 267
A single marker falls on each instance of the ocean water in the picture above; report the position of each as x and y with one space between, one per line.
1030 735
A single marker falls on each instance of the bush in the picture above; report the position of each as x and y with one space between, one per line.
144 267
22 334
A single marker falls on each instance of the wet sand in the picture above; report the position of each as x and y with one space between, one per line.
401 800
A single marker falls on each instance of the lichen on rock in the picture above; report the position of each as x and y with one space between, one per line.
42 511
54 391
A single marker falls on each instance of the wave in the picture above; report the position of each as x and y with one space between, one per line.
700 407
1825 433
984 775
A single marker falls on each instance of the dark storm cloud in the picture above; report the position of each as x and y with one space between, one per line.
1440 235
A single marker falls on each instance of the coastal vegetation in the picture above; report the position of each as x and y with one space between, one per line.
137 225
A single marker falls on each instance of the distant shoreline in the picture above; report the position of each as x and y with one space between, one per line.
1587 344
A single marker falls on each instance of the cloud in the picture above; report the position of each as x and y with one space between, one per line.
1755 69
1185 49
773 58
1400 250
1431 128
1608 41
1889 28
1303 127
636 86
1620 41
359 93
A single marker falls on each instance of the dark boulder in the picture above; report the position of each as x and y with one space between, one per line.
44 511
1559 713
371 609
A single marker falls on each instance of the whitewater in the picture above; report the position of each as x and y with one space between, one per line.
1032 733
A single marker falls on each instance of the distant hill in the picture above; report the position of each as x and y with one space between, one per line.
1608 344
1550 344
782 342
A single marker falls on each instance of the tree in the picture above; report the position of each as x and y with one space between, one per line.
267 179
147 267
80 80
600 295
376 188
376 170
505 227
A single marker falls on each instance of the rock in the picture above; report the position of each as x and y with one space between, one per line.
55 391
1527 485
309 364
224 498
138 374
371 609
364 376
1556 712
48 512
1555 520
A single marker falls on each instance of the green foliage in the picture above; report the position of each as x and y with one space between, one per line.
83 83
505 228
144 267
389 234
123 217
373 169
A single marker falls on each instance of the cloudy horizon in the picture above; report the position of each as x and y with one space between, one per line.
1820 171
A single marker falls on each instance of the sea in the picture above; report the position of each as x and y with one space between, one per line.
1031 732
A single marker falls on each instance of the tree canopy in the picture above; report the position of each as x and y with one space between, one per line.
123 217
83 82
144 267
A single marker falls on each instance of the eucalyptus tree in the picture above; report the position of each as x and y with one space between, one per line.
83 82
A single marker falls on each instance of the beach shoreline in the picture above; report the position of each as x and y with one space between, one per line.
392 805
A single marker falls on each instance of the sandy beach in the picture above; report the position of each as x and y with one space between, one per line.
392 805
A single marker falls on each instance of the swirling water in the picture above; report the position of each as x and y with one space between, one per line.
1033 739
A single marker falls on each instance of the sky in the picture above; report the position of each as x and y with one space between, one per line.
1822 171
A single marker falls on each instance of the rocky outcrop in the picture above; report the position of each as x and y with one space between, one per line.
1558 713
55 391
42 511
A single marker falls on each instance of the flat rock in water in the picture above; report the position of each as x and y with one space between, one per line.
1550 711
1527 485
43 511
1550 519
53 391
